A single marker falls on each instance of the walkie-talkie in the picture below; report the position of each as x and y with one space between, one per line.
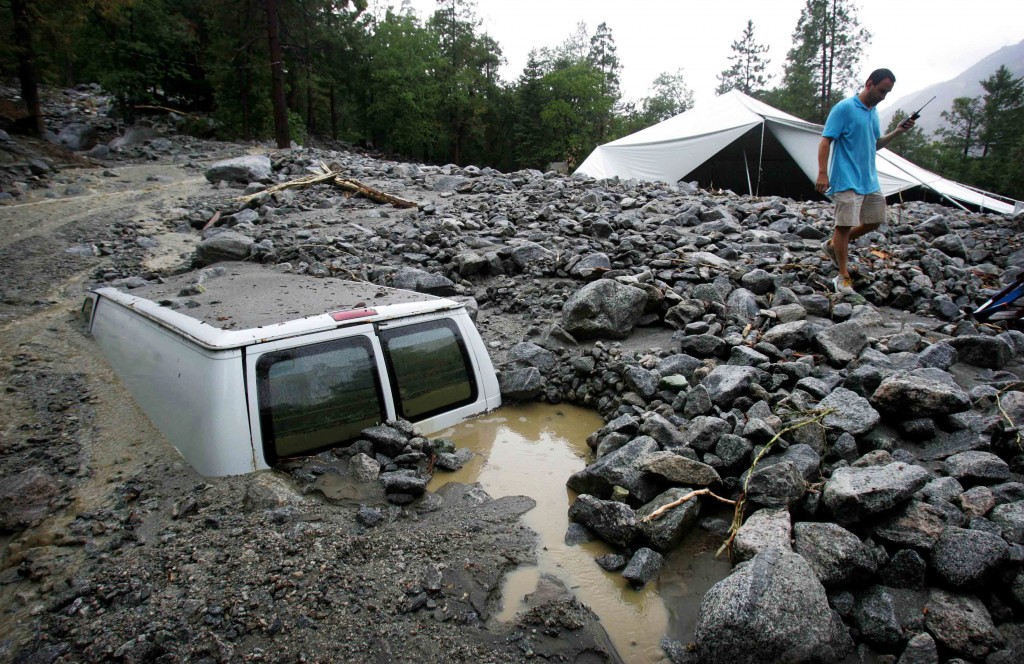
917 113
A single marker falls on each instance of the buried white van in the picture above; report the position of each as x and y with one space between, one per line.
240 365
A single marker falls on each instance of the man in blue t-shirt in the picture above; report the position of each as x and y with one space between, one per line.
853 135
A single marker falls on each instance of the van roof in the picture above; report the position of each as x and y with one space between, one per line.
243 303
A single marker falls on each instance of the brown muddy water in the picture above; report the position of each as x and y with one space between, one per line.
531 450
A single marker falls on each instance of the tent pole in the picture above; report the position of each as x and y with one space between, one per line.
760 158
746 167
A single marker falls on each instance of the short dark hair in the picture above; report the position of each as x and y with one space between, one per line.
880 75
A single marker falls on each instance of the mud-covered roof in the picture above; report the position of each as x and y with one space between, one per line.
236 296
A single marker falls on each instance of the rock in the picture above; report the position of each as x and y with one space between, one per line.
976 466
921 392
793 335
644 566
619 468
386 440
77 136
906 569
977 502
603 309
764 529
530 254
837 556
968 559
25 497
920 649
577 534
727 382
403 482
420 281
679 469
982 351
250 168
666 433
225 246
771 608
612 562
363 468
875 616
520 384
640 381
269 491
704 432
841 343
853 494
852 412
917 524
665 532
962 624
776 485
612 521
1010 518
939 355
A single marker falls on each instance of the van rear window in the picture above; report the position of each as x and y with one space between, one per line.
317 396
429 367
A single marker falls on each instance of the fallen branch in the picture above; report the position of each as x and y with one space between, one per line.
676 503
737 517
169 110
330 176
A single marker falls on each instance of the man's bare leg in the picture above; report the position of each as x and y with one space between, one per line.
841 245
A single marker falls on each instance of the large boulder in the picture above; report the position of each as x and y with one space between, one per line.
243 170
853 494
520 384
770 609
410 278
764 529
923 392
77 136
225 246
976 466
623 468
837 556
962 624
665 532
841 343
982 351
967 559
612 521
679 469
603 309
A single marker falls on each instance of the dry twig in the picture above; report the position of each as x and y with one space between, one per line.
676 503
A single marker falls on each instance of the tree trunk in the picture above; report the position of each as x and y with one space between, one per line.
334 112
277 77
27 66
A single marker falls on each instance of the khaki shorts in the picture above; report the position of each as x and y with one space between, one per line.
853 209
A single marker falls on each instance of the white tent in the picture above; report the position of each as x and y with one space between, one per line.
739 143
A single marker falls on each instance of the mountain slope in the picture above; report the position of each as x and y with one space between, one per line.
967 84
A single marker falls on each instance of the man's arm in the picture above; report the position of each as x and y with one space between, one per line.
901 128
823 149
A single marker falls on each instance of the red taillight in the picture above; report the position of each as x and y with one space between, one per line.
352 313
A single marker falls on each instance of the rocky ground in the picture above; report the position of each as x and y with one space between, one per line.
872 439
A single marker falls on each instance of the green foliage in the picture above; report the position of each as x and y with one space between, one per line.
822 65
671 97
747 72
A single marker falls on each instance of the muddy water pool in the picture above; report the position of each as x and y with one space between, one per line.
532 450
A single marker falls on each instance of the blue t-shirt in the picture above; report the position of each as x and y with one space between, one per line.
854 130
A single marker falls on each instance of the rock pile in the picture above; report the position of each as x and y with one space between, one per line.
891 519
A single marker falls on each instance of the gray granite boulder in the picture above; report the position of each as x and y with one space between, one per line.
841 343
982 351
962 624
243 170
643 567
225 246
967 559
1010 518
921 392
727 382
916 524
770 609
837 556
852 412
612 521
520 384
764 529
665 532
853 494
619 468
776 485
679 469
603 309
976 466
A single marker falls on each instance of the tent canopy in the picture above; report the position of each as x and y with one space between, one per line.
740 143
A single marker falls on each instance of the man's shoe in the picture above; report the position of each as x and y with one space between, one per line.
830 251
843 285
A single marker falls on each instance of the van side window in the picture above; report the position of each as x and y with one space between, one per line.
429 367
317 396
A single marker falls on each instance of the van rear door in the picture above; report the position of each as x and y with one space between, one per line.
315 392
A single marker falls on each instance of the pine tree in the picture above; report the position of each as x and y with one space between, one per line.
822 65
746 73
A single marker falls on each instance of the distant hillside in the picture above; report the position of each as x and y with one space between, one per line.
966 84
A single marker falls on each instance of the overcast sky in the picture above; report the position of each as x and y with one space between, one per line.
922 41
